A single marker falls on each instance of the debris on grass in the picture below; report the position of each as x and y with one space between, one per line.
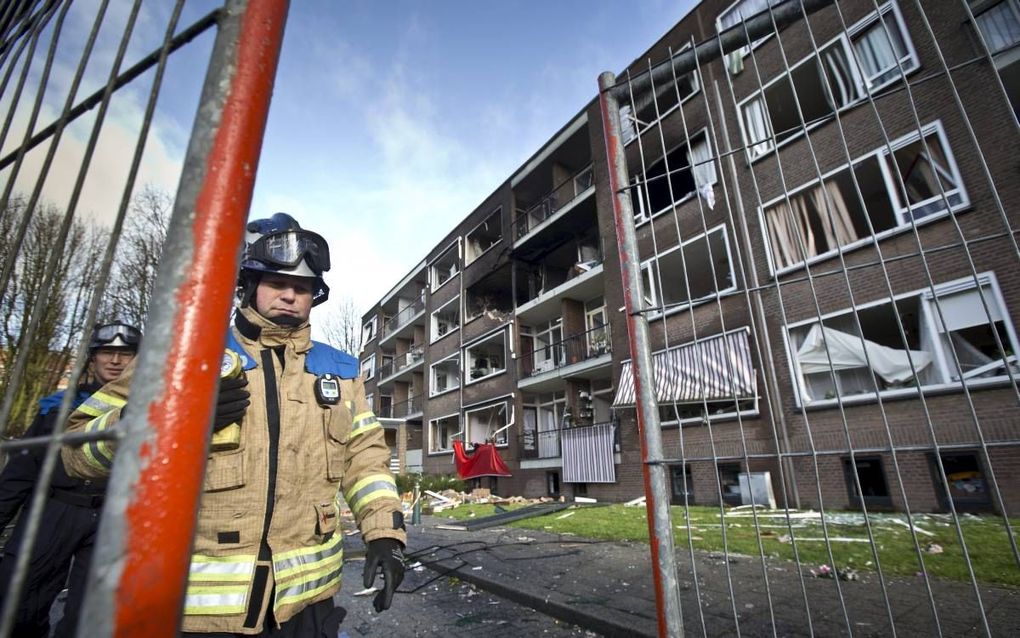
933 548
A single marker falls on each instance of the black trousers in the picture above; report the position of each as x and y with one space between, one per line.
319 620
67 534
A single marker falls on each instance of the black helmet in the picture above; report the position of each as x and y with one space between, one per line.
114 335
278 244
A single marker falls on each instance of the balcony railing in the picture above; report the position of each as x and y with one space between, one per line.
399 320
403 409
574 349
540 282
564 193
545 444
412 357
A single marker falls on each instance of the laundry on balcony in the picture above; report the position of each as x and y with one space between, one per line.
717 368
588 454
483 461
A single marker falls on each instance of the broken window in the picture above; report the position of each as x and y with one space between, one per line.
668 95
488 424
817 219
966 479
368 367
446 319
672 179
445 375
729 480
486 358
697 269
740 11
681 484
368 331
444 268
872 480
950 337
818 86
483 237
999 24
441 433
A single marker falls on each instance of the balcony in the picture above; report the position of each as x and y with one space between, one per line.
582 281
583 355
530 220
398 324
401 367
410 408
537 445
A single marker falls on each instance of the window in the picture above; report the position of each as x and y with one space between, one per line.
368 330
697 412
596 323
872 479
483 237
820 85
681 484
441 433
740 11
967 484
488 424
444 375
368 367
823 217
834 359
445 267
667 97
369 398
1000 25
696 270
729 481
445 320
547 346
485 358
552 483
674 178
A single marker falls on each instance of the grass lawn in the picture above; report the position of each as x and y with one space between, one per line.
986 539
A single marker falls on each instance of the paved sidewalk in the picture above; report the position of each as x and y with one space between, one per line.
607 587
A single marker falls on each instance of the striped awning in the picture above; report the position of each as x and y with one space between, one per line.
588 454
717 368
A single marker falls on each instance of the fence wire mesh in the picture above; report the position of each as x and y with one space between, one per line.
824 231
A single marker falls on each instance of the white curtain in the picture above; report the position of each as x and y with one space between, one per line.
825 349
834 215
756 126
877 54
1000 27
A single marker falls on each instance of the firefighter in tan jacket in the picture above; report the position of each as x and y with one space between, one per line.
290 435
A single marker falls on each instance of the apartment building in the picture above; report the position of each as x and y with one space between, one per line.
829 275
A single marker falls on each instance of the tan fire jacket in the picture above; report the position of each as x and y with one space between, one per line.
267 523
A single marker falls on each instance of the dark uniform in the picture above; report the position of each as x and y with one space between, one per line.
67 530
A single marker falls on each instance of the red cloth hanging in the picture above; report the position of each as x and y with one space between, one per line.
484 461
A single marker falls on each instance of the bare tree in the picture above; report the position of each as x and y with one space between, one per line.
138 255
341 326
61 324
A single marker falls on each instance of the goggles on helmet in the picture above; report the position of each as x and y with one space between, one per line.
106 334
286 249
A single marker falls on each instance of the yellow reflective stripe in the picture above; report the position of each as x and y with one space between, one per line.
211 568
101 402
288 563
364 422
303 591
208 600
98 453
305 570
370 488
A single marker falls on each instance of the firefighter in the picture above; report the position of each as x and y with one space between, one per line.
289 437
69 521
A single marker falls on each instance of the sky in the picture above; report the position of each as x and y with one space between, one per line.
390 121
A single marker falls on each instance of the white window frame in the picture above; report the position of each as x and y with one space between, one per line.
981 8
552 350
368 362
371 325
432 375
466 368
503 438
432 449
498 215
433 328
942 363
651 292
632 129
720 28
905 220
642 216
761 148
434 283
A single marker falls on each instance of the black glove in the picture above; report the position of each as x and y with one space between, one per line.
231 402
386 554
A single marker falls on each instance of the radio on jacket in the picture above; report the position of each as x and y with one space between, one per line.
229 437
